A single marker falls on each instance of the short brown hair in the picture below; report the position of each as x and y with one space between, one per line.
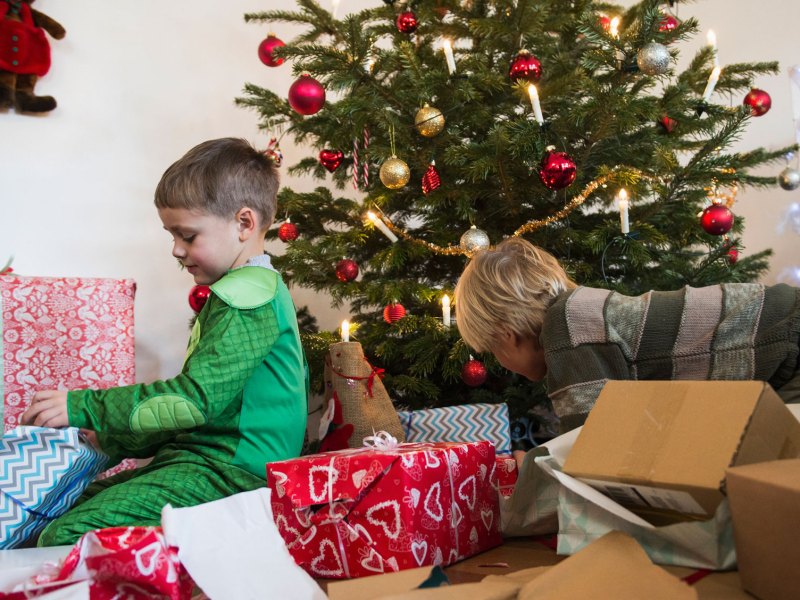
509 287
221 177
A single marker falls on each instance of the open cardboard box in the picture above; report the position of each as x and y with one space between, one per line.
661 448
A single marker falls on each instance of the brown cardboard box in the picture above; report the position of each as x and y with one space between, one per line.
765 505
662 447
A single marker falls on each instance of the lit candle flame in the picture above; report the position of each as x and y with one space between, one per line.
345 331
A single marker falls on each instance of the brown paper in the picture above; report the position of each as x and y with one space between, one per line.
357 385
613 567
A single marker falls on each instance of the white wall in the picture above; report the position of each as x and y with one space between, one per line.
139 83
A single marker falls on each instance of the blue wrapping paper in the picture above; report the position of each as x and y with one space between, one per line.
43 471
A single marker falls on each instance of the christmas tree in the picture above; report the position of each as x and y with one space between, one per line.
567 123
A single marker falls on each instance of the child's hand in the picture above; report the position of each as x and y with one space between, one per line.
48 409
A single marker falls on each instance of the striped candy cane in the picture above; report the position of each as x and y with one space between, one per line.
366 159
355 163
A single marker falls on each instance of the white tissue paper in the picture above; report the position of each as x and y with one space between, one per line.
233 551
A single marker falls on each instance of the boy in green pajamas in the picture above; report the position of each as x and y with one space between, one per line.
240 398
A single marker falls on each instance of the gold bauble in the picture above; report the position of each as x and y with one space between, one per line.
394 173
429 121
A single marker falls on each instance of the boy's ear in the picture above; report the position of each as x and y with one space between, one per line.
247 222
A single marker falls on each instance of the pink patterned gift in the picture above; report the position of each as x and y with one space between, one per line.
63 333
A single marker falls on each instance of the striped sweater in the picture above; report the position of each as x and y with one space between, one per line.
733 331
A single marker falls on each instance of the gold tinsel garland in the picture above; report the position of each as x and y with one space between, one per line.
532 225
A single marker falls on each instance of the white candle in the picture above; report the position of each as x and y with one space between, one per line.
335 7
537 108
446 310
622 202
712 82
382 226
613 27
345 331
448 56
712 41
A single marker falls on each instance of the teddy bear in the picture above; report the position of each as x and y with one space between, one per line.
25 55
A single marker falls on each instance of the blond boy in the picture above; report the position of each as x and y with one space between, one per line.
518 303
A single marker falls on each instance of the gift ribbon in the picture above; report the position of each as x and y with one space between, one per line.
383 441
336 519
369 378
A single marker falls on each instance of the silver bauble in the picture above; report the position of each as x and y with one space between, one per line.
474 239
789 179
653 59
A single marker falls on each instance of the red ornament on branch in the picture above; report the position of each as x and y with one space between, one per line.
557 169
605 22
431 180
288 231
346 270
198 296
717 219
667 123
668 23
265 49
393 312
758 101
473 373
525 66
733 255
407 22
306 95
331 159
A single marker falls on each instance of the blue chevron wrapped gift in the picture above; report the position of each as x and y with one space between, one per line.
465 423
42 473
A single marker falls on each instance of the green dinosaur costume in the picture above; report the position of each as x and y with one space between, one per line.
239 402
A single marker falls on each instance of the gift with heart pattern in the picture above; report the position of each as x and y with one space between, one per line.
363 511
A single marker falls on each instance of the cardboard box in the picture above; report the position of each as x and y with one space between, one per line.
661 448
765 504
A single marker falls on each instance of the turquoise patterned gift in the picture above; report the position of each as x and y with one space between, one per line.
464 423
43 471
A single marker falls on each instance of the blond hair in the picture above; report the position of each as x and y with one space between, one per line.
220 177
508 287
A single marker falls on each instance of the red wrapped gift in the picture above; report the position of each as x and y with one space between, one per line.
63 333
506 474
134 563
357 512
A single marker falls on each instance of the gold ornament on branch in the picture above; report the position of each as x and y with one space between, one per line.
429 121
395 173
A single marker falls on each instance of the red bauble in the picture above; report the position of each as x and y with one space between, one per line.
758 101
288 232
331 159
431 180
393 312
668 23
306 96
733 255
667 123
198 296
525 66
605 22
346 270
407 22
473 373
717 219
265 49
557 170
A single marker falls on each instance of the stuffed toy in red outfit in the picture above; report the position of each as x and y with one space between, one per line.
24 55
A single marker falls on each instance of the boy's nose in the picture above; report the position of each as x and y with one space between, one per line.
178 251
